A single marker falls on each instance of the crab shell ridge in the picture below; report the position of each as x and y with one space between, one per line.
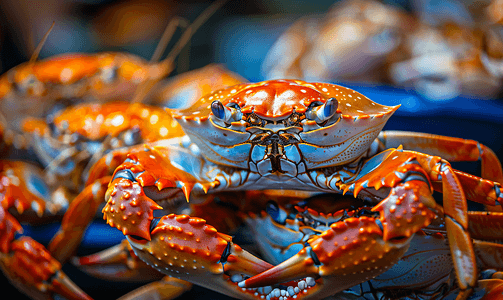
359 122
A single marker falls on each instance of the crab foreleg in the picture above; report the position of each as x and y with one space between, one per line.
343 252
349 252
176 245
449 148
179 245
426 269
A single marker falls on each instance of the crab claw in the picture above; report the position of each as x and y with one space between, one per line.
191 250
175 245
350 252
31 268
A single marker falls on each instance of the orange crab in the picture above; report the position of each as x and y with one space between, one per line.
295 135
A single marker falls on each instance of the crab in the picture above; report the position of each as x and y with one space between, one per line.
289 135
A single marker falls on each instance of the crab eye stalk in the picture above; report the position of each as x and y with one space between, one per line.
323 113
226 114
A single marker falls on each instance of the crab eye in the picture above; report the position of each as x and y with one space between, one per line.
226 114
324 112
217 108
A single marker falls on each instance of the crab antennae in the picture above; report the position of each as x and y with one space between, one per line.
37 50
168 62
58 160
198 22
167 35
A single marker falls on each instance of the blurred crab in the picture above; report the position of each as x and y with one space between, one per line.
437 54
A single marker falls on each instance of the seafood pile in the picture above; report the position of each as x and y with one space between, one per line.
333 206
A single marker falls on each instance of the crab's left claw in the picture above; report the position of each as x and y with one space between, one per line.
34 271
176 245
191 250
351 251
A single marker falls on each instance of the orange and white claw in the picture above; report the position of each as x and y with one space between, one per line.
350 252
31 268
189 249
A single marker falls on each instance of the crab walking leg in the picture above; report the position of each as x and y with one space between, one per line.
78 216
449 148
117 262
485 225
477 189
167 288
120 263
456 222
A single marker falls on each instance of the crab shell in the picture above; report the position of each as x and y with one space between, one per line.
359 121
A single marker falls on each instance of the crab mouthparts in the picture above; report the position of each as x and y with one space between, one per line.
271 153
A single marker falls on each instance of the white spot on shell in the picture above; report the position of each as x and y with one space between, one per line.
154 119
163 131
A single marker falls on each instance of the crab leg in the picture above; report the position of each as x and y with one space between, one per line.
32 269
178 245
477 189
456 222
78 216
449 148
167 288
29 266
485 225
117 263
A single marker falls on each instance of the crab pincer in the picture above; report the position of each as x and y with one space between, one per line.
35 272
175 244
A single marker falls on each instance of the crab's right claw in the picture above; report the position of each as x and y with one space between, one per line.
30 267
350 252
